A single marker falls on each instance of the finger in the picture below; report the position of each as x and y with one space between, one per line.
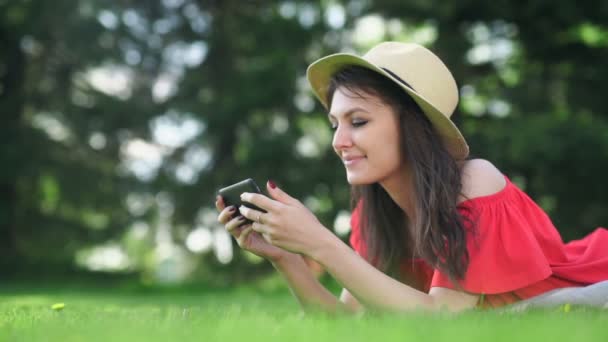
260 201
236 233
244 234
249 213
226 214
260 228
275 192
219 203
267 238
235 223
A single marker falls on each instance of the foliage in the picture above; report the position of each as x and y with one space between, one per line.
229 75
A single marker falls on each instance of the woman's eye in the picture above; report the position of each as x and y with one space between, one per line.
357 123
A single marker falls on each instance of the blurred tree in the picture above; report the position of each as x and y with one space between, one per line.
60 191
93 91
122 119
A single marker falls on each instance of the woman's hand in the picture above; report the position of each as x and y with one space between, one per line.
247 239
288 223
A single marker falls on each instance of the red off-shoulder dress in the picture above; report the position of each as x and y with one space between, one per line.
515 252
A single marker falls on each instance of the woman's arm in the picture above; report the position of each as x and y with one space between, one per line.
376 289
288 224
350 301
311 294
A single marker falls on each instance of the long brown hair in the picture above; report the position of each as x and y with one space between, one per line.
437 232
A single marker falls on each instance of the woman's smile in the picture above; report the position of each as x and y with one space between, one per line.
350 161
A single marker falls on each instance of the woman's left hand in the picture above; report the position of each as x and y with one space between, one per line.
287 223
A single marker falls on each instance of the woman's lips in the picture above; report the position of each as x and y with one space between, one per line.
352 160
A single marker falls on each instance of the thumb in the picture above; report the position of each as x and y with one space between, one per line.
279 194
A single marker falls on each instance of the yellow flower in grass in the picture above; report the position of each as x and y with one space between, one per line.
58 306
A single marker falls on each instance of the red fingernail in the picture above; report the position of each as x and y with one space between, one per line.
271 184
232 208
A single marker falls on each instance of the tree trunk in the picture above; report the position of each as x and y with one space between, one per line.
12 65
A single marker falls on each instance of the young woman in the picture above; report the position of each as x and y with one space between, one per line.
430 228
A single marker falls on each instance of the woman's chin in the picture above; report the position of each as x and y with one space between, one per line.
354 179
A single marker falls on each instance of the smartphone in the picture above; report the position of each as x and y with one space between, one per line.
232 194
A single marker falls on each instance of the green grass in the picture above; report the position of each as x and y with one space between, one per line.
255 314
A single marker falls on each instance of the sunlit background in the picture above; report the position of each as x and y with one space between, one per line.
120 120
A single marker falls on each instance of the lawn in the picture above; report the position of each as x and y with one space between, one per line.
256 314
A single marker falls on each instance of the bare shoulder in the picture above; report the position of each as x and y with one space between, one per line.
480 178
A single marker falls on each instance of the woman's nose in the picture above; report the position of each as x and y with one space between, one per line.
342 139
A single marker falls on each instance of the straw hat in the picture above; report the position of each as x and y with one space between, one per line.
415 69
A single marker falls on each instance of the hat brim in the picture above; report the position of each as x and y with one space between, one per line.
319 75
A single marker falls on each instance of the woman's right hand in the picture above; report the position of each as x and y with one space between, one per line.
246 237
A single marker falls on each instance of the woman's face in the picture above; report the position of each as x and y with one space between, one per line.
366 137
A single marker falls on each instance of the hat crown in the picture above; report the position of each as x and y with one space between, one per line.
421 69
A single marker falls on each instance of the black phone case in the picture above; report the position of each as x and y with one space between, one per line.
232 194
